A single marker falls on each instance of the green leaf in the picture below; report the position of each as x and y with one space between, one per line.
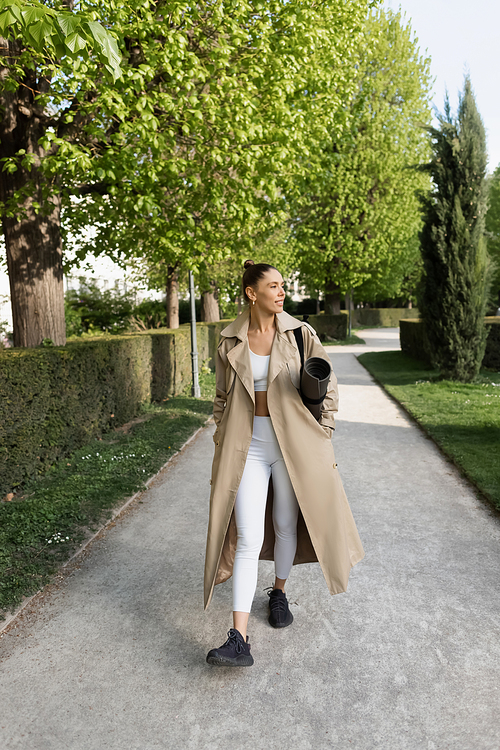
74 42
68 23
32 15
7 20
41 34
109 49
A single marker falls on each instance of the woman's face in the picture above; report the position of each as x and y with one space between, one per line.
269 294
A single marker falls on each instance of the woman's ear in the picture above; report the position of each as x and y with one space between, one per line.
251 294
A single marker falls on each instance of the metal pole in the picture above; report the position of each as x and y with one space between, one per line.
195 388
350 308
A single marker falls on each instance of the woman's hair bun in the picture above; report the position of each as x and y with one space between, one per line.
248 263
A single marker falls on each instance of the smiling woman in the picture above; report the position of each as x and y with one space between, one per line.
263 432
264 285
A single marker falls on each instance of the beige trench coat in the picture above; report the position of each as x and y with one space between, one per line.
326 532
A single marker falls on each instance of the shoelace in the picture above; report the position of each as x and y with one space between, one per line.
234 640
277 603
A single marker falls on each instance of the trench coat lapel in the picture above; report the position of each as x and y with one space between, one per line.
282 351
239 359
239 355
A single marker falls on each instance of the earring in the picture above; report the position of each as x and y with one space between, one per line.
254 302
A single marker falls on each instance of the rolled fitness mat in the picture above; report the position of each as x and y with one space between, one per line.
314 384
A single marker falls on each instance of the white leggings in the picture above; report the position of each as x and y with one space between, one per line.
264 458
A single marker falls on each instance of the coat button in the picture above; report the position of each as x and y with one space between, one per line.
334 466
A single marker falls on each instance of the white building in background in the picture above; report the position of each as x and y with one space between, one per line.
102 272
5 309
106 274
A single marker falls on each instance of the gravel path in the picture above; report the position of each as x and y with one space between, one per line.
113 656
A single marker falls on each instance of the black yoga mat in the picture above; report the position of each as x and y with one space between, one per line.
314 384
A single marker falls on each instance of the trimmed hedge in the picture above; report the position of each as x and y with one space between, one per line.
331 326
491 357
414 343
412 340
54 400
388 317
335 326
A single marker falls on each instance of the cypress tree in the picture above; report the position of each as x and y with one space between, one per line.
453 245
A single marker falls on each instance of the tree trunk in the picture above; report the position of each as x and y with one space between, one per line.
332 298
210 305
172 302
34 261
32 233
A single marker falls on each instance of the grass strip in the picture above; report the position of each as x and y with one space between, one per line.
463 419
47 521
348 341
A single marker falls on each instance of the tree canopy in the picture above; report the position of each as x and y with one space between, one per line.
355 211
186 154
215 104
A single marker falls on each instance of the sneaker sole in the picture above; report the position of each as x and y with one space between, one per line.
220 661
281 624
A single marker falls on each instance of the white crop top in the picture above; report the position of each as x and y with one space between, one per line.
260 368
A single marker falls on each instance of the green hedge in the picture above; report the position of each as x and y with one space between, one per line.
54 400
388 317
331 326
491 357
413 342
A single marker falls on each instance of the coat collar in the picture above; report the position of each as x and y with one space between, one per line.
239 356
239 327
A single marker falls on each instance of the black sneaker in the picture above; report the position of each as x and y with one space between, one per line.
233 653
279 613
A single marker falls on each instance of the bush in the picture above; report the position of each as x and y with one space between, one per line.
92 310
151 313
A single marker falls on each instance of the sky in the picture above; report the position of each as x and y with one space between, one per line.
461 36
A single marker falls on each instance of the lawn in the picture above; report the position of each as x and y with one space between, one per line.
348 341
49 518
463 419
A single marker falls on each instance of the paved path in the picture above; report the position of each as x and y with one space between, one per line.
408 659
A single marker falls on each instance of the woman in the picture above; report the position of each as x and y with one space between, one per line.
264 431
